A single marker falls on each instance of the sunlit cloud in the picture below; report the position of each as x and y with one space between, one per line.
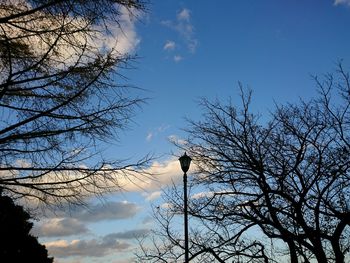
169 45
87 248
122 38
96 247
175 139
162 174
342 2
119 37
166 206
57 227
153 195
201 195
151 179
73 222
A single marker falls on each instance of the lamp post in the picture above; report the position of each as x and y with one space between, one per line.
185 162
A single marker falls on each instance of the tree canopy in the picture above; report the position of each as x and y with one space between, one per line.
266 191
62 94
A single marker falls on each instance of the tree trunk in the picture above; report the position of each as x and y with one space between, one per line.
292 252
318 251
339 256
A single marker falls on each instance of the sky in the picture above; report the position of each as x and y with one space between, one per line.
187 50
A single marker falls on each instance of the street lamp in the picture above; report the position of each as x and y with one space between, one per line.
185 162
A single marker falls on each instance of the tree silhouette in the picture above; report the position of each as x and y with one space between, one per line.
62 93
16 242
268 190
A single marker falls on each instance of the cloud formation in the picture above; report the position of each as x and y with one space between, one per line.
169 45
58 227
178 58
86 248
76 220
342 2
184 15
184 27
123 37
107 211
111 210
149 136
118 37
96 247
73 222
131 234
156 131
153 195
175 139
163 174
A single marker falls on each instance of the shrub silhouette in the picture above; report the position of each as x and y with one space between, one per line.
16 242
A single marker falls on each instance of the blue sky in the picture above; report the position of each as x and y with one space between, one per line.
188 50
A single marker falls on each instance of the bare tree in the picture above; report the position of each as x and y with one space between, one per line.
210 240
62 94
286 180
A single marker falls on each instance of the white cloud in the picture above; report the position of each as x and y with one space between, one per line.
156 131
153 178
86 248
57 227
149 136
123 37
342 2
104 181
96 247
184 15
201 195
161 174
169 45
119 37
164 173
152 196
178 58
184 27
166 206
72 222
163 127
175 139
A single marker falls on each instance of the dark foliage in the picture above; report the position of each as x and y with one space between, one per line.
16 242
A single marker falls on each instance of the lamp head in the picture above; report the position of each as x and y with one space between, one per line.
185 162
